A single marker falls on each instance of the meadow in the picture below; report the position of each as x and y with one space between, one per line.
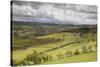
30 46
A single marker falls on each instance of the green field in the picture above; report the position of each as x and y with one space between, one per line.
66 38
79 58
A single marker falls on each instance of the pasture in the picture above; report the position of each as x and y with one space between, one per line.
50 41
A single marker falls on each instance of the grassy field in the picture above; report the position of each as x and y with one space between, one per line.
19 55
23 53
79 58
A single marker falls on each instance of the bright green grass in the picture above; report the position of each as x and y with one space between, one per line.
78 58
71 47
19 55
69 37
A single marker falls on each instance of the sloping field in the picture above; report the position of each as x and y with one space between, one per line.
19 55
78 58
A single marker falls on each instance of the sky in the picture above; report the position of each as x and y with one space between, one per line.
62 13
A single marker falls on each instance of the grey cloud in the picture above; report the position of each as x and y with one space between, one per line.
63 12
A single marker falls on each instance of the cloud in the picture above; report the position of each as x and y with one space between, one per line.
77 14
23 10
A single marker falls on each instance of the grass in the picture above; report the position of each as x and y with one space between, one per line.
71 47
78 58
19 55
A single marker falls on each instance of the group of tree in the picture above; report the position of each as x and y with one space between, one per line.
83 50
34 58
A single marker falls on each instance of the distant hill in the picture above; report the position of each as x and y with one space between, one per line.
54 24
41 28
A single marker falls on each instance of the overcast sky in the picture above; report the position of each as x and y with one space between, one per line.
54 12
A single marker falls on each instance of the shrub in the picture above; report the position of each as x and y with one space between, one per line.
50 57
90 48
59 55
21 63
84 49
93 39
44 57
76 52
68 53
35 58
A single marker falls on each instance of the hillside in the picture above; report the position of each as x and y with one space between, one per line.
66 38
36 43
90 57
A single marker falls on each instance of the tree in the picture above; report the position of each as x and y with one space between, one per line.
59 55
76 52
84 49
33 57
68 53
50 57
89 48
84 30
